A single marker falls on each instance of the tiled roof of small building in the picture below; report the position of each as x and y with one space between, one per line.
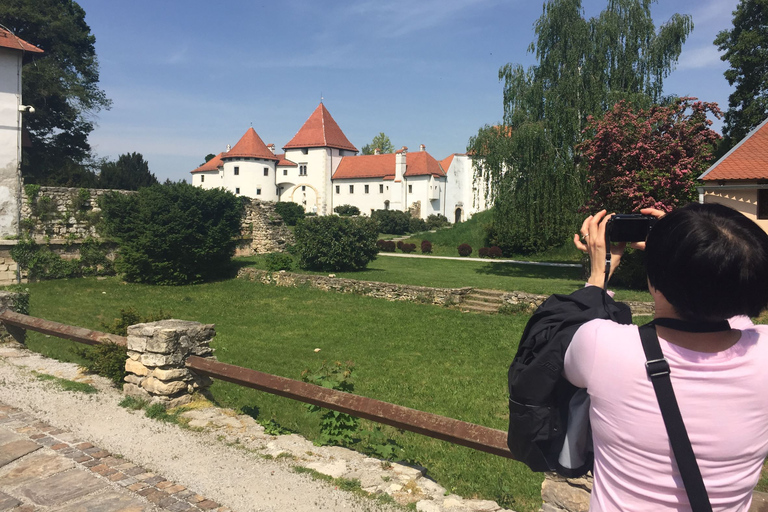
366 166
8 40
250 145
211 165
285 163
748 160
445 163
421 163
320 130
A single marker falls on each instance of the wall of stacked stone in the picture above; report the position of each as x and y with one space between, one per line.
19 303
389 291
560 494
157 352
533 301
263 230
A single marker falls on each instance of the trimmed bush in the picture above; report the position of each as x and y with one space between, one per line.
173 234
290 212
426 247
408 248
277 261
415 225
386 245
436 220
392 221
336 244
494 252
483 252
347 210
400 244
465 250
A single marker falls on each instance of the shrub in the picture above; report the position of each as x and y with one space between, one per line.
494 252
105 359
332 243
400 244
483 252
408 248
415 225
347 210
129 317
41 262
436 220
426 247
386 245
631 272
290 212
392 221
465 250
173 234
277 261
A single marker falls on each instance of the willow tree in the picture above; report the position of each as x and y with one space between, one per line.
528 164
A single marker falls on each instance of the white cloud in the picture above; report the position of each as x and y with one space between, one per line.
701 57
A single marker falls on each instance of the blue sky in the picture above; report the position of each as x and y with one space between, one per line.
187 78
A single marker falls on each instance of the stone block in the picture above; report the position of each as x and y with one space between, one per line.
133 355
562 495
62 487
162 344
136 343
133 379
136 367
136 392
159 387
172 374
154 360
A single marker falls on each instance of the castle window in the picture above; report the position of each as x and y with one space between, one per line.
304 151
338 189
202 178
410 189
366 189
303 188
303 170
237 171
258 191
266 171
381 189
285 172
237 191
762 203
351 189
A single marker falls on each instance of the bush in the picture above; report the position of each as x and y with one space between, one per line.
483 252
386 245
277 261
436 220
631 272
426 247
173 234
129 317
494 252
41 262
105 359
290 212
400 244
332 243
415 225
347 210
465 250
408 248
392 221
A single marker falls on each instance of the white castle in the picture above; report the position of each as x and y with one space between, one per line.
321 169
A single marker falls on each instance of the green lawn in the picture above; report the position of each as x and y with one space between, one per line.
473 273
420 356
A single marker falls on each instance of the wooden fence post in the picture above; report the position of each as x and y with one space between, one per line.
157 352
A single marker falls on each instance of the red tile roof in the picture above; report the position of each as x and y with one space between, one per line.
748 160
445 163
250 145
284 162
8 40
320 130
366 166
421 163
211 165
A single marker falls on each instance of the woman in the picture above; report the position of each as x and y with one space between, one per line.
705 263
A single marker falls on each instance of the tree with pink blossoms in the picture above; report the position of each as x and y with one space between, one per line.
636 158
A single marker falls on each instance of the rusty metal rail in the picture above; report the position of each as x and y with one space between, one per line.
69 332
454 431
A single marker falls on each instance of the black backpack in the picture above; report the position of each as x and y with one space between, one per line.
548 416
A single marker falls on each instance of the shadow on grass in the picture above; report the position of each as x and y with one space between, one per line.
530 271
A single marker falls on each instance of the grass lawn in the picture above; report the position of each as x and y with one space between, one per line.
419 356
477 274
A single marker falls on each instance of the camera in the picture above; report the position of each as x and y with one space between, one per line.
628 227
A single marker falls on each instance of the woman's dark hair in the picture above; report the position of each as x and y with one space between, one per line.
710 262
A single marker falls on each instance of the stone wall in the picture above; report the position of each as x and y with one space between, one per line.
533 301
263 230
560 494
19 303
389 291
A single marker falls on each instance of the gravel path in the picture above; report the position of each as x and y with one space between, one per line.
236 478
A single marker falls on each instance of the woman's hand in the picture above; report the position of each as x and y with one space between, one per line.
592 242
654 213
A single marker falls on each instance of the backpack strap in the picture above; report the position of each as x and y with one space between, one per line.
658 371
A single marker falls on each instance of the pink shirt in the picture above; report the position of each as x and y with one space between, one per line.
723 398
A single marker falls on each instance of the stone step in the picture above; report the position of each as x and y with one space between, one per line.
483 298
488 293
480 303
475 308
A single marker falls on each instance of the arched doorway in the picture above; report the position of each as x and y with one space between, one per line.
386 205
457 216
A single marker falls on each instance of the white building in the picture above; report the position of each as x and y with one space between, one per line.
13 53
320 169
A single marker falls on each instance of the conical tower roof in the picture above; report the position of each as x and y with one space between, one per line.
320 131
250 145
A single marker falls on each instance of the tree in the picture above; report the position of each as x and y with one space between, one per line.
380 142
290 212
528 165
332 243
129 172
173 234
638 158
746 50
209 157
62 85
